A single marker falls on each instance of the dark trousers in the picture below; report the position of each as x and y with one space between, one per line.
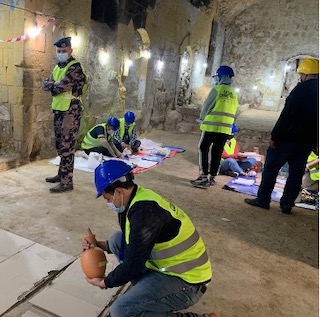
99 149
66 127
296 155
134 147
217 142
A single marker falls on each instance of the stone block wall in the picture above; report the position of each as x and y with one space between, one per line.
260 42
11 81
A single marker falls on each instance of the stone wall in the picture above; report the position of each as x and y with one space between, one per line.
261 41
11 81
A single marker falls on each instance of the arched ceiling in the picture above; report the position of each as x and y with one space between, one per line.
230 9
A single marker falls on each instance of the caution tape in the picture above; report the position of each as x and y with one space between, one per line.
26 37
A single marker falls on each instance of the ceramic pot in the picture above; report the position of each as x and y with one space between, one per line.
93 262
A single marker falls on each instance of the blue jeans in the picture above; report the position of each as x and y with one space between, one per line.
154 294
231 164
296 155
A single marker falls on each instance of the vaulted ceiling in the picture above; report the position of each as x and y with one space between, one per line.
230 9
115 11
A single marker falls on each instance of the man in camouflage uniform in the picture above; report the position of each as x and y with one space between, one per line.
66 85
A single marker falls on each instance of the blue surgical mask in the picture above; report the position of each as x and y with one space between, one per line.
62 57
116 209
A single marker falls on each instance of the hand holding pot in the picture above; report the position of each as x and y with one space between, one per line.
93 260
97 282
89 240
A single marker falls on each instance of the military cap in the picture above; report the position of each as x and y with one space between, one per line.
64 42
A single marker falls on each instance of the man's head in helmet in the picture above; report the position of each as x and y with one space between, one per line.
308 69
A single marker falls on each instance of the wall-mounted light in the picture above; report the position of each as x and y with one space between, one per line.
254 87
160 64
103 57
288 67
75 41
33 32
237 89
205 65
184 61
145 53
127 63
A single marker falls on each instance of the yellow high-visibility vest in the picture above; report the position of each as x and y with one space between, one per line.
314 171
230 148
62 101
222 115
122 128
185 254
90 142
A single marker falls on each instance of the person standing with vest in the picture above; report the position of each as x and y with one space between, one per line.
126 136
233 162
100 138
66 84
216 117
293 137
159 249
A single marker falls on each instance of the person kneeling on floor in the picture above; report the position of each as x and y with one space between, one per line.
233 162
126 136
159 249
100 139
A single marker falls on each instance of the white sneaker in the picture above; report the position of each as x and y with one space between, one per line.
252 173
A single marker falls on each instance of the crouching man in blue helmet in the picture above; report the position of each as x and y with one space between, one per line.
126 136
216 117
159 250
100 139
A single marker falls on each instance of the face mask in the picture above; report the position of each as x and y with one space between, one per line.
116 209
111 132
62 57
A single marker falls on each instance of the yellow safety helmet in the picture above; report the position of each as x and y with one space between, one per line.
308 66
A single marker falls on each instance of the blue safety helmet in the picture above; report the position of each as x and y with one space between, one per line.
234 128
224 70
129 117
108 172
114 123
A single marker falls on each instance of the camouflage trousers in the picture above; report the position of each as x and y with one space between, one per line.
66 128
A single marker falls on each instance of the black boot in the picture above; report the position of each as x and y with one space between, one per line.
54 179
61 188
255 202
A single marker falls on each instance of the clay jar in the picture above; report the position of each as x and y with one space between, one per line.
93 261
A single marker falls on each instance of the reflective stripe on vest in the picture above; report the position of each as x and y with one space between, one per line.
90 142
62 101
187 266
122 128
314 171
184 255
221 118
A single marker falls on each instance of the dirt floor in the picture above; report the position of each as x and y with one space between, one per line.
264 263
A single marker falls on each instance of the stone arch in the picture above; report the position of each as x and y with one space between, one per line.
290 76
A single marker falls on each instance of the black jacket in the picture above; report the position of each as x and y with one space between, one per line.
299 119
149 224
